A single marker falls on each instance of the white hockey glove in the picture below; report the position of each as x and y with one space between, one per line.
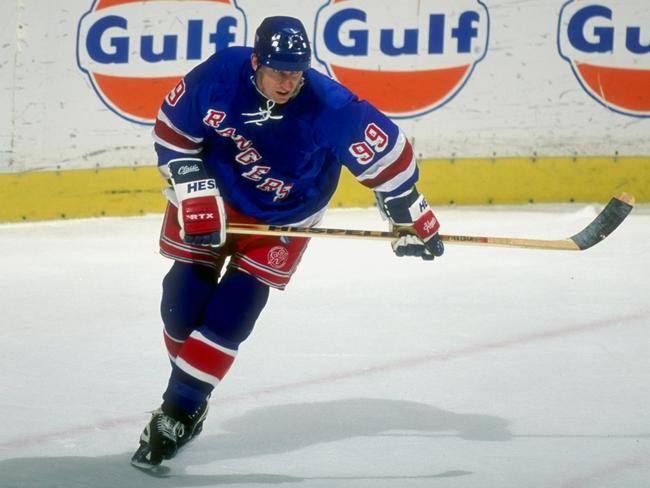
201 212
417 226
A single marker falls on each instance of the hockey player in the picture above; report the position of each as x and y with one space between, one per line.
257 136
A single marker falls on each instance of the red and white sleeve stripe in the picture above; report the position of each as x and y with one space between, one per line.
169 136
392 169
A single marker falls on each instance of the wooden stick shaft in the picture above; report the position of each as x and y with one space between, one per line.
605 223
273 230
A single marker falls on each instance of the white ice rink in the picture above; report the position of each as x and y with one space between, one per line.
502 368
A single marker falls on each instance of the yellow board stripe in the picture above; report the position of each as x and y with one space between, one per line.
80 193
536 180
518 180
131 191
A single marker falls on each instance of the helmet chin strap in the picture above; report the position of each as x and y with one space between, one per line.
254 81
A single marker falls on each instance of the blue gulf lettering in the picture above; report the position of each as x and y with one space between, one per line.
223 36
436 33
605 35
194 38
387 42
466 31
633 41
170 43
120 53
359 38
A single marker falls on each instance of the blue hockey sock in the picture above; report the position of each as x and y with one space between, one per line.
228 317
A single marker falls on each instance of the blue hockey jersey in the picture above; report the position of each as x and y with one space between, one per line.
279 163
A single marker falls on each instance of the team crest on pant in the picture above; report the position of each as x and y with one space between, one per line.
277 257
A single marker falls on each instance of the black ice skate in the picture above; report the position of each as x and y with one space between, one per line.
167 431
195 425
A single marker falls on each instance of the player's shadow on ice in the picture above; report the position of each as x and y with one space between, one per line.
270 430
285 428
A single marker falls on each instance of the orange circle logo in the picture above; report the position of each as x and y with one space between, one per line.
605 43
135 52
406 58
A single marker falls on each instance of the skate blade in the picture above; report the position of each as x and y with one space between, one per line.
140 460
156 470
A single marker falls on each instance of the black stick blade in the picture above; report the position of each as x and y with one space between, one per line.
606 222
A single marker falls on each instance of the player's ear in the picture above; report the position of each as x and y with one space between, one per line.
254 63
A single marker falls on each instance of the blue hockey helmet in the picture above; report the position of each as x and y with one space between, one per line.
281 43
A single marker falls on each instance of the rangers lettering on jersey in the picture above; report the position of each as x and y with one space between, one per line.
260 171
247 156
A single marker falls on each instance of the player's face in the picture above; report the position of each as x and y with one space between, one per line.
279 86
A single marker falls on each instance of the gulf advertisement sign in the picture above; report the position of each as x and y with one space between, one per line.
134 52
607 44
408 57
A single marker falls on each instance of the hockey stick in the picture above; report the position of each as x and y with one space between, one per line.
604 224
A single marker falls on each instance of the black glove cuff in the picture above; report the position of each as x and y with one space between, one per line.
397 208
187 169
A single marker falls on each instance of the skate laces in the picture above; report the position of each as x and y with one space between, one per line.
169 427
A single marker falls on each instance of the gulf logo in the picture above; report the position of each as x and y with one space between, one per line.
408 57
607 44
134 52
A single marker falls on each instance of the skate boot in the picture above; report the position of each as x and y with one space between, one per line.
168 430
195 425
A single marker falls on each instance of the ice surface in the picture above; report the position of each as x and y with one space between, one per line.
486 368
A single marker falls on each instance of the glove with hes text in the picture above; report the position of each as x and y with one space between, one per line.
201 212
417 227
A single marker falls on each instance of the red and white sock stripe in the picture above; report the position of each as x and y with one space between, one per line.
173 345
204 359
